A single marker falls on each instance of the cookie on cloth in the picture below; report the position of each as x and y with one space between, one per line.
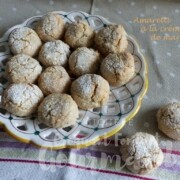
141 153
168 118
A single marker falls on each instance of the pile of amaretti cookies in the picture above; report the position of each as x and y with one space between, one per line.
40 76
45 60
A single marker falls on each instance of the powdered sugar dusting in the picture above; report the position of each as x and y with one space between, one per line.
83 61
143 145
85 84
19 94
55 52
113 61
24 40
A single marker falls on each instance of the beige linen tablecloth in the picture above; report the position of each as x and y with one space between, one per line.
160 46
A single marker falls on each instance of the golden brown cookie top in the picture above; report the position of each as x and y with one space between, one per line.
79 34
50 27
111 39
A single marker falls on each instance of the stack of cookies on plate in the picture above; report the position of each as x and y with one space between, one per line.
58 67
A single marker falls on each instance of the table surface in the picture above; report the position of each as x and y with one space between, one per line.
159 42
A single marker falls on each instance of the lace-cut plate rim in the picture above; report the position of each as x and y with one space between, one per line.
93 125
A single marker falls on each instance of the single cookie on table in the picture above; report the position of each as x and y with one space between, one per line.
111 39
24 40
84 61
22 99
79 34
54 53
50 27
168 118
90 91
58 111
23 69
118 69
54 79
141 153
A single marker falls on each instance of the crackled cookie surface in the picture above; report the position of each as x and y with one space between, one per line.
111 39
79 34
168 118
141 153
54 53
84 61
24 40
54 79
58 110
50 27
90 91
23 69
22 99
118 69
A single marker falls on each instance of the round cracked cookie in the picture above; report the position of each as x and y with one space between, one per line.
54 79
168 118
111 39
79 34
118 69
54 53
141 153
58 111
24 40
23 69
84 61
50 27
22 99
90 91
